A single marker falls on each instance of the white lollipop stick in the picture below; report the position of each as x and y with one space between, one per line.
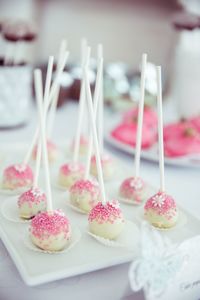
101 105
38 87
160 129
52 111
55 83
96 100
94 132
47 87
38 163
140 117
81 110
47 103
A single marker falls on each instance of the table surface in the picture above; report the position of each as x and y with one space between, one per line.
110 283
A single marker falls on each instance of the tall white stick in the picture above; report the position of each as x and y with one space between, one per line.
94 132
38 87
53 107
95 105
48 102
140 116
38 163
101 105
160 129
81 110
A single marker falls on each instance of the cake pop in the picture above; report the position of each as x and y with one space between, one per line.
17 176
107 166
50 231
52 151
134 188
161 210
69 173
31 202
106 220
84 194
83 145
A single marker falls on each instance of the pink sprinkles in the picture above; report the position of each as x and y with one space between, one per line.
19 174
163 204
106 213
66 169
34 195
131 188
84 185
46 224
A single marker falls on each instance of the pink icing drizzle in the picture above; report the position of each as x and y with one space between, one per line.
46 224
34 195
105 213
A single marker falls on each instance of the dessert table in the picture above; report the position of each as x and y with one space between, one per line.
110 283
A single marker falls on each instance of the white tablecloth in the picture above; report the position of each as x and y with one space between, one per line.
110 283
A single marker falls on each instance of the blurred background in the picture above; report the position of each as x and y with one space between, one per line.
125 27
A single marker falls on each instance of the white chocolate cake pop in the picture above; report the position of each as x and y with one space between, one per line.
106 220
50 231
51 149
161 210
17 176
85 194
83 145
134 189
31 202
107 164
70 173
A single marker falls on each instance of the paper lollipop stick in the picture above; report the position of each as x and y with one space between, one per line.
81 110
46 101
96 101
94 132
140 117
101 105
53 107
160 129
38 87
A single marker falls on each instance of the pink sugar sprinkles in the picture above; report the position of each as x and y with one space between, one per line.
106 213
50 223
34 195
162 203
